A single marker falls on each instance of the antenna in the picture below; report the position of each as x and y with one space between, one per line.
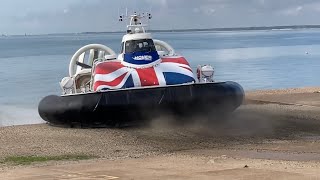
137 16
149 23
135 21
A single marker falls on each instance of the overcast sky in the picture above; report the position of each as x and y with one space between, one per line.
58 16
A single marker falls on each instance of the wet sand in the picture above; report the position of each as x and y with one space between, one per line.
275 135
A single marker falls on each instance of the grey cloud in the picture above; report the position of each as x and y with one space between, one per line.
102 15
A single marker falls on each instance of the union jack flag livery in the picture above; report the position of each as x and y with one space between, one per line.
114 75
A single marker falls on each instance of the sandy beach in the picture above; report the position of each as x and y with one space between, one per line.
274 135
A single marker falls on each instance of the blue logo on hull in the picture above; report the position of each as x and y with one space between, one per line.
141 58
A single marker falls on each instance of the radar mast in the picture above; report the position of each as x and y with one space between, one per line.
135 24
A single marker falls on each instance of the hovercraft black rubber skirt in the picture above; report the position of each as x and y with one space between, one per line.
130 105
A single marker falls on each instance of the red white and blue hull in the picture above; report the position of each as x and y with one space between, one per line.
122 94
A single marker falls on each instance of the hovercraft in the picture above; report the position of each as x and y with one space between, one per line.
145 80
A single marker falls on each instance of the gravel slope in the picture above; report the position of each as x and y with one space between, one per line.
255 131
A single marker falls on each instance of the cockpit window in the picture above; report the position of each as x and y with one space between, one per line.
142 45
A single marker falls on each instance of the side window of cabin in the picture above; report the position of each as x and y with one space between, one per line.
122 48
151 45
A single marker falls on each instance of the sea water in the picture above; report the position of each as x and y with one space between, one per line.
32 66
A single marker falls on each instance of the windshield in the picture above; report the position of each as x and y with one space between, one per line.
141 45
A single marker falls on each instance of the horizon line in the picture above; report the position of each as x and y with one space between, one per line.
244 28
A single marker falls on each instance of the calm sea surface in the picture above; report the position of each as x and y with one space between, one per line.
32 66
